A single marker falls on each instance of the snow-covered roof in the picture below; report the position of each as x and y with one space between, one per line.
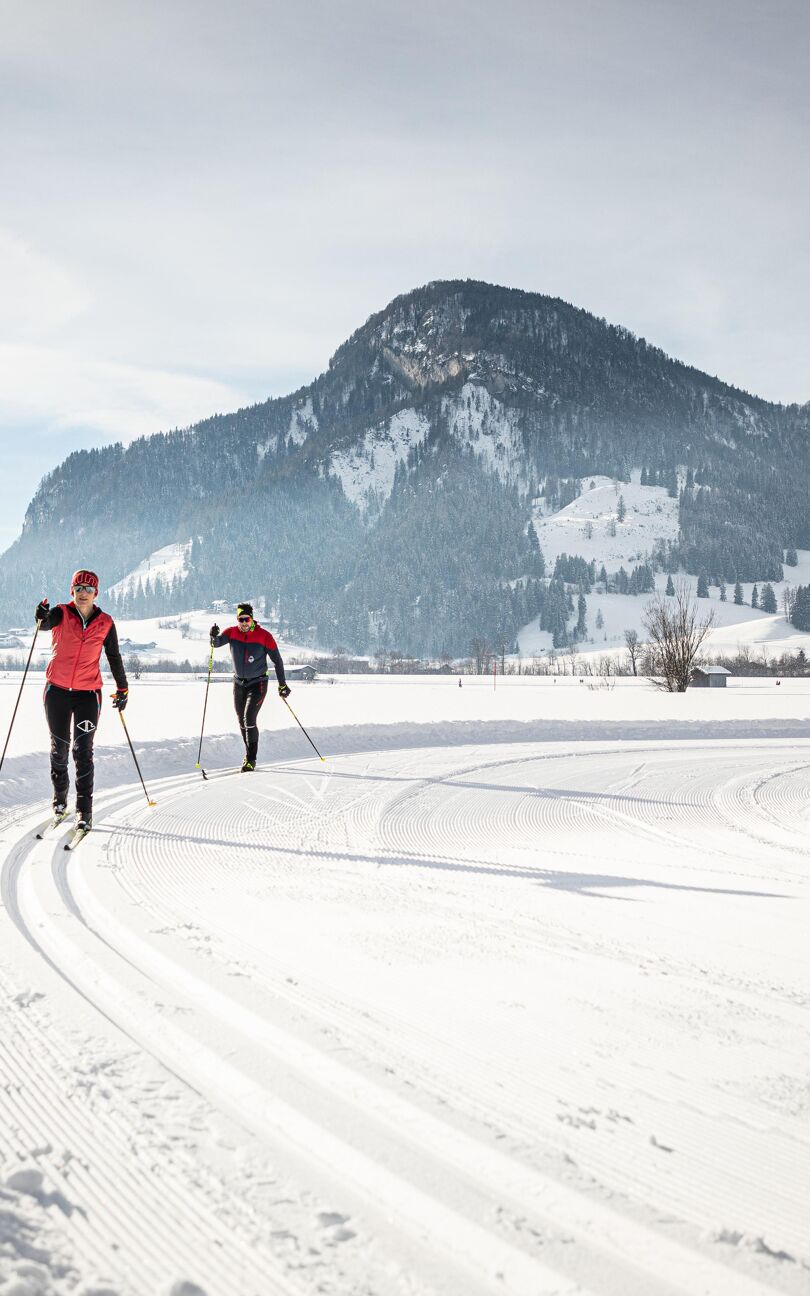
711 670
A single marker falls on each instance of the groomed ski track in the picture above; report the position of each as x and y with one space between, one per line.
458 1021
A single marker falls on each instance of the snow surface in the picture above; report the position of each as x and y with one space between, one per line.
509 995
302 420
492 429
366 471
166 564
475 417
651 516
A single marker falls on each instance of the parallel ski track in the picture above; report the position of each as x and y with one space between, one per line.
149 869
692 1168
701 1147
125 1219
472 1248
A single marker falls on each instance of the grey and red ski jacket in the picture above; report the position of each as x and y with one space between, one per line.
76 648
250 650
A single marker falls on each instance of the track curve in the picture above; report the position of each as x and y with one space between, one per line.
297 949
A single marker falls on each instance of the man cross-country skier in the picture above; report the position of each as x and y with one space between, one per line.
250 647
79 631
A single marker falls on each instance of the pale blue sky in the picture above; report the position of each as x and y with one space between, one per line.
199 201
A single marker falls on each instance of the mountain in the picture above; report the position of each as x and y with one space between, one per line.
387 504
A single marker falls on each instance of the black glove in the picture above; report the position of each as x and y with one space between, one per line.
119 699
284 690
214 631
42 610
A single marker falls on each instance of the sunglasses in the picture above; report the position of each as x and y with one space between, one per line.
84 589
247 619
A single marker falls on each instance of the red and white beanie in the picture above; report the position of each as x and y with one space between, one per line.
83 577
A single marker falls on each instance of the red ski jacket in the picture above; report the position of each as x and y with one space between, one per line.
76 648
250 650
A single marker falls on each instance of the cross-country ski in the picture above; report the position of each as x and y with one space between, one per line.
76 837
47 828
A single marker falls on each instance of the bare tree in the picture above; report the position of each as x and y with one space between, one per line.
633 648
676 634
481 652
134 666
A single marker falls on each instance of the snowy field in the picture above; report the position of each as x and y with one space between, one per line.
507 997
584 528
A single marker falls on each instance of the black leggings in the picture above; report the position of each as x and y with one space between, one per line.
248 700
80 709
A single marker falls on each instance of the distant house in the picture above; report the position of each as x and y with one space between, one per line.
709 677
302 672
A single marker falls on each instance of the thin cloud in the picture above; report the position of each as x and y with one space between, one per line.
39 295
119 401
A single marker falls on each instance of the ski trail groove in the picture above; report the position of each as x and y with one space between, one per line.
425 832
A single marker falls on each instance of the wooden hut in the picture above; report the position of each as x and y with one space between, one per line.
709 677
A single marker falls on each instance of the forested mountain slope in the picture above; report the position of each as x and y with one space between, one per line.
387 503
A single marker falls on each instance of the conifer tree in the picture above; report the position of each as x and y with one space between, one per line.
738 594
755 597
767 602
702 586
801 608
670 585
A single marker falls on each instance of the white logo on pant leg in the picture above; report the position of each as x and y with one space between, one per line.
86 726
250 659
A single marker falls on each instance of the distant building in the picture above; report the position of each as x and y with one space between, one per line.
709 677
303 672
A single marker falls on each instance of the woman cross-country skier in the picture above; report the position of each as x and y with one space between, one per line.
79 631
250 647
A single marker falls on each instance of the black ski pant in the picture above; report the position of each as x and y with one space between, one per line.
248 699
76 710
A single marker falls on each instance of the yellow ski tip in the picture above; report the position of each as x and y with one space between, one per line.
153 803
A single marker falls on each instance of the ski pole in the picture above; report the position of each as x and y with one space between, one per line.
19 695
303 730
149 800
205 707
